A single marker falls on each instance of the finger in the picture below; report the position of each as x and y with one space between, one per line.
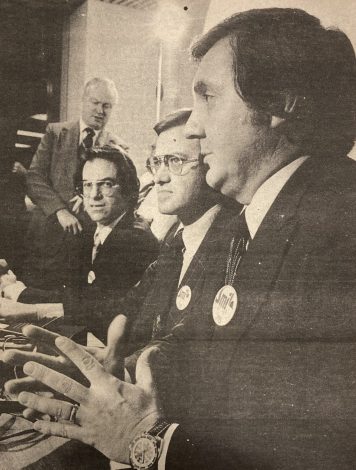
58 408
80 228
89 367
57 381
15 386
117 335
144 370
32 415
19 358
41 335
62 429
73 229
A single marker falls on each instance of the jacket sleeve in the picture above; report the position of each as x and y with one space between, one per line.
39 185
32 295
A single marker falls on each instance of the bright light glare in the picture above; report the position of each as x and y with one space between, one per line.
170 23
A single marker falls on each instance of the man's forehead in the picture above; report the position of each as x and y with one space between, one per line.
173 141
215 68
100 91
99 169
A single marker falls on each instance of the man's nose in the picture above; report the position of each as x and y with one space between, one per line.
193 128
95 192
100 108
162 175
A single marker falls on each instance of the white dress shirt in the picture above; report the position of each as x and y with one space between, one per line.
194 234
266 194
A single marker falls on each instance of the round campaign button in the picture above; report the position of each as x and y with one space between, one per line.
183 297
225 305
91 277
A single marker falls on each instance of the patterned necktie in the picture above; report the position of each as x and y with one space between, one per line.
96 247
238 248
86 144
88 140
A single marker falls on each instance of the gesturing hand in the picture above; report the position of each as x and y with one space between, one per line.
68 222
111 412
46 354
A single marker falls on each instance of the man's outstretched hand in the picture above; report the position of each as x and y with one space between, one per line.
111 412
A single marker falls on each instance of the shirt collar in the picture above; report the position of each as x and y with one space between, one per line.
102 232
267 193
83 126
194 233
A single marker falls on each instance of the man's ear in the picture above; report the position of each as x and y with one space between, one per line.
290 101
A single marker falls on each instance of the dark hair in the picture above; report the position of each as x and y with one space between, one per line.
282 52
174 119
126 170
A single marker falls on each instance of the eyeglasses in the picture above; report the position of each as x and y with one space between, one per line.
174 163
104 187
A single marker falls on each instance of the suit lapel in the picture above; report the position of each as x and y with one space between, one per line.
262 263
207 267
69 142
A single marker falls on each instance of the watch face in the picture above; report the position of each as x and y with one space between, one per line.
144 452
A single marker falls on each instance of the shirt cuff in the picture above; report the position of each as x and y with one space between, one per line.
13 291
166 440
49 311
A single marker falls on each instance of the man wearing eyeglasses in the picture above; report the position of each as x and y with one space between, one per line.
109 259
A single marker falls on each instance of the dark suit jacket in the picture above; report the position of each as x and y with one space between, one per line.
50 178
158 296
118 266
275 388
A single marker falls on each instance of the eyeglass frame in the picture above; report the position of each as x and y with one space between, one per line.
99 188
165 159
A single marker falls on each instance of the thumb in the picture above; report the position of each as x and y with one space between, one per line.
11 274
145 369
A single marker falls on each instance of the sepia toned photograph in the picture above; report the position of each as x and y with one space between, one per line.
177 235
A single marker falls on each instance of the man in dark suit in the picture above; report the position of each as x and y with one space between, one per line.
51 182
270 384
109 258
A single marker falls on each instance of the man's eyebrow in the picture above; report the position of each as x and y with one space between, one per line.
102 179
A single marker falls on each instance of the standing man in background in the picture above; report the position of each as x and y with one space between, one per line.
52 180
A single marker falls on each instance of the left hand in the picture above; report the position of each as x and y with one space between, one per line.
125 410
10 310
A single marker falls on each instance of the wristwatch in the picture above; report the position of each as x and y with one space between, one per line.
146 448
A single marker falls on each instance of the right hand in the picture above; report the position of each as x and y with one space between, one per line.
69 222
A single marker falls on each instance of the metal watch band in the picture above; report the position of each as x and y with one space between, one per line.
159 427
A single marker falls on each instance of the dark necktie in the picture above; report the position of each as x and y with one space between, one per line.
89 138
169 268
238 247
86 144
